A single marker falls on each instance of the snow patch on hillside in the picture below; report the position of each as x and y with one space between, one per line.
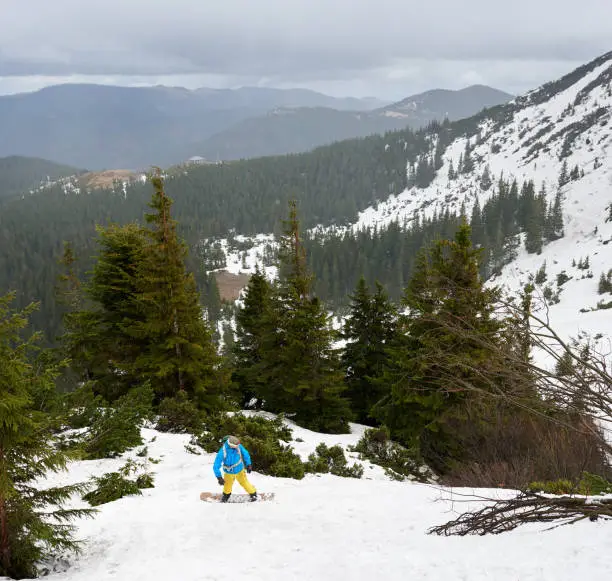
244 253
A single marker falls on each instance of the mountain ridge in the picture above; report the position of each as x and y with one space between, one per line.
295 130
105 127
20 175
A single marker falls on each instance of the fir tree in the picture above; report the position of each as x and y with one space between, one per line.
575 173
29 531
252 324
535 223
300 369
211 299
468 162
445 295
68 292
541 276
476 222
565 365
555 227
451 171
438 161
368 330
564 175
460 164
425 172
605 283
97 337
177 352
486 181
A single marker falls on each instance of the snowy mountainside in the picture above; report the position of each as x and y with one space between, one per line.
319 528
532 141
563 123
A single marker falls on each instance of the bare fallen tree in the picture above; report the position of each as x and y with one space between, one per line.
506 515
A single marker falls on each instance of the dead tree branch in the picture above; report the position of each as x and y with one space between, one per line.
506 515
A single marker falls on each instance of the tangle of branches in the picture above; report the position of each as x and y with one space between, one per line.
506 515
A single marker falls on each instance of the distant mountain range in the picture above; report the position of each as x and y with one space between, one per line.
101 127
297 130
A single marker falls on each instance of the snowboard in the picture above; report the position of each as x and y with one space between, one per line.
216 497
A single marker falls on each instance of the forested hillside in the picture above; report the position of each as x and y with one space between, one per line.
19 175
331 183
111 127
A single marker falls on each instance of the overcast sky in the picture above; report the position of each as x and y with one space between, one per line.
384 48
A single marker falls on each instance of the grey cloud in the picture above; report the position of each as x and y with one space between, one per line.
300 41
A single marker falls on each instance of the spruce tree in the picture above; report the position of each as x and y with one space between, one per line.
438 155
468 163
252 325
564 174
300 369
556 218
368 330
445 297
29 530
211 299
97 335
176 349
535 222
486 181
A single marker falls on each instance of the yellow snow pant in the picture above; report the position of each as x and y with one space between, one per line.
242 480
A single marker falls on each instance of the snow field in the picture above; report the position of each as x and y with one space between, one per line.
320 528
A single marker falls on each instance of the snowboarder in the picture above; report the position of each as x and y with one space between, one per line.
235 459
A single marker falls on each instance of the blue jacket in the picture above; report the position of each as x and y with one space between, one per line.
232 458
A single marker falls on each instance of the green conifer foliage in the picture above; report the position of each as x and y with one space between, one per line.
251 327
97 337
300 370
176 349
368 330
444 296
29 530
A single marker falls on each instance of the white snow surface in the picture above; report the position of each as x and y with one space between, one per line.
244 261
320 528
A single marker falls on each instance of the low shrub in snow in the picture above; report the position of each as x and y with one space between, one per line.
110 486
115 485
178 414
588 485
333 461
104 431
117 429
399 462
511 450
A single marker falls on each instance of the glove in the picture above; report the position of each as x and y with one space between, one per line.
249 468
220 480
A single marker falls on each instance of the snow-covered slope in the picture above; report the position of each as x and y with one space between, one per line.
317 529
526 139
568 121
